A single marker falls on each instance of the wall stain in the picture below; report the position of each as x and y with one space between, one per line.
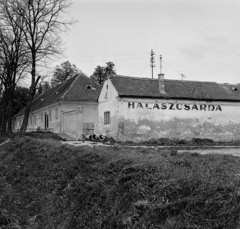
145 129
121 127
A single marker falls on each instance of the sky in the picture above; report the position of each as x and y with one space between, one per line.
197 38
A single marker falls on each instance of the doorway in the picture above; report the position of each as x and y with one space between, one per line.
46 121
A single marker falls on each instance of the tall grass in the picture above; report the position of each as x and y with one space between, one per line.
45 184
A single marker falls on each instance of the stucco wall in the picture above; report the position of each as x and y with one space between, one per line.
143 119
108 101
90 114
73 122
37 119
181 120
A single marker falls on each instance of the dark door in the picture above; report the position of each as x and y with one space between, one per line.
46 121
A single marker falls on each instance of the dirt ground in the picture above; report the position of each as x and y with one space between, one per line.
202 149
201 146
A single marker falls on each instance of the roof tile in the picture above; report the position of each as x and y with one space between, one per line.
175 89
72 90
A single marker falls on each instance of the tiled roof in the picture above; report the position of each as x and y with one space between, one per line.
73 90
175 89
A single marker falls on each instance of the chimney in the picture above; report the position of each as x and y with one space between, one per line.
161 86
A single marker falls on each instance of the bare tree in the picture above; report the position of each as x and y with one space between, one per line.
13 62
41 28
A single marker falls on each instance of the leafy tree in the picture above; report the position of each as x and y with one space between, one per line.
109 69
101 73
65 71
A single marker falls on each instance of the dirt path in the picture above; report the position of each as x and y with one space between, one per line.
228 150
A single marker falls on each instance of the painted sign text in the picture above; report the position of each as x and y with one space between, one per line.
174 106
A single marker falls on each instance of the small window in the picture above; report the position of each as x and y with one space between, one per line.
50 115
42 117
56 114
106 117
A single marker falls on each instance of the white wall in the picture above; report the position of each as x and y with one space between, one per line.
182 120
108 101
90 114
37 118
143 119
73 123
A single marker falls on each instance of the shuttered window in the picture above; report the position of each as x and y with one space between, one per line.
106 117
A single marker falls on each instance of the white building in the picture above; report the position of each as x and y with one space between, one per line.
70 108
142 108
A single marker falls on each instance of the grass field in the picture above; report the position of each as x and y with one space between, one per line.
44 184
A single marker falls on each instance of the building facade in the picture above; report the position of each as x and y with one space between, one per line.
139 109
70 108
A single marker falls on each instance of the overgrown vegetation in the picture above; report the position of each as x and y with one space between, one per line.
45 184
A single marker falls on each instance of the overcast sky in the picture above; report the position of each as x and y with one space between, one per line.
199 38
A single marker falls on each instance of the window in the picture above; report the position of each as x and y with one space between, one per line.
42 117
50 115
106 117
56 114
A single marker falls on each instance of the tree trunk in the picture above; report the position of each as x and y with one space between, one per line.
9 112
26 115
3 126
31 95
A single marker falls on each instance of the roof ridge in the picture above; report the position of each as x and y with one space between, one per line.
145 78
132 77
69 88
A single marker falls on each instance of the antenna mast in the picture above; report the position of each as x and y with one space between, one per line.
152 61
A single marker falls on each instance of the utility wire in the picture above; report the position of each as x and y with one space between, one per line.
102 58
170 66
168 72
142 71
184 22
139 68
111 54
